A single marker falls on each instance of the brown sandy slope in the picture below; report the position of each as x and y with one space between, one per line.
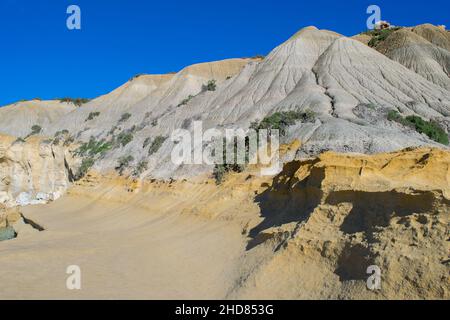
308 233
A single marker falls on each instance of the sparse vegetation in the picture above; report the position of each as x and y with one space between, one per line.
430 128
93 148
62 132
185 101
76 101
282 120
92 115
279 121
379 36
146 142
156 144
56 141
19 140
86 164
36 129
124 138
154 122
433 130
123 163
137 76
258 56
68 141
141 167
219 173
371 106
125 117
113 129
220 170
394 116
210 86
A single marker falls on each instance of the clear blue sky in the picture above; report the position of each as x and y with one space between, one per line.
40 57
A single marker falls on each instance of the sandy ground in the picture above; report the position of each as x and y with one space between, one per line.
123 250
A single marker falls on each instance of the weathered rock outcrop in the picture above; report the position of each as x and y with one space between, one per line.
14 224
328 219
32 171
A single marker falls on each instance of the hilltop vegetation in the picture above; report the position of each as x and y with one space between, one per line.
433 130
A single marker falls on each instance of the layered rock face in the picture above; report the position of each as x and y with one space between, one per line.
327 220
32 171
311 232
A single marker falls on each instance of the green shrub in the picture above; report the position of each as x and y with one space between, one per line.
379 36
210 86
141 167
68 141
56 141
154 122
185 101
371 106
156 144
137 76
432 129
86 164
393 115
62 132
76 101
36 129
123 163
124 138
282 120
124 117
93 147
146 142
92 115
220 170
219 173
258 56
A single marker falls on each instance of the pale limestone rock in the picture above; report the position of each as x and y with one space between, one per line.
32 172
